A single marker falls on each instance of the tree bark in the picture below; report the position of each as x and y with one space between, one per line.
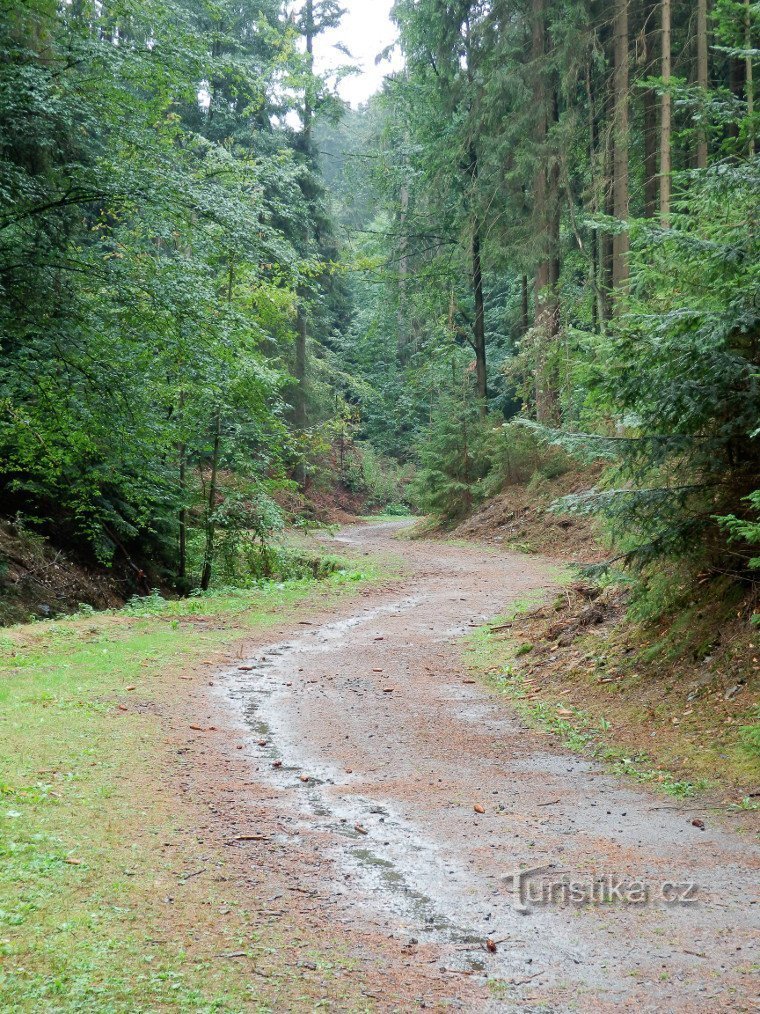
620 187
479 329
208 555
479 324
649 101
402 337
301 368
546 314
749 84
702 78
665 118
182 454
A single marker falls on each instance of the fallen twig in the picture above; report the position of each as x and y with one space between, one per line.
189 876
521 982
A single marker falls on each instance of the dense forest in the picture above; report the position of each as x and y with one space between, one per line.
379 505
225 293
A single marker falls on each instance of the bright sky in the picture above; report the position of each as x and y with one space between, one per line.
366 30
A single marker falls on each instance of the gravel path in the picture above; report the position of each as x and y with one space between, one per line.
408 794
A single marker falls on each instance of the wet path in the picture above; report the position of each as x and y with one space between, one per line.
378 748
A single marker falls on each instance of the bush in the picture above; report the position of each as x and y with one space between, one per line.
382 481
673 384
456 455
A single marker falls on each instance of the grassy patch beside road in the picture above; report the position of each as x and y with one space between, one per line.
101 904
590 697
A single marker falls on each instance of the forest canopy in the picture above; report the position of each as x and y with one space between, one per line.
222 290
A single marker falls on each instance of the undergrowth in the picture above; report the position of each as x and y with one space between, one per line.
577 728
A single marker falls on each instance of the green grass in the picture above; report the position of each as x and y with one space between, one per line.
576 728
92 843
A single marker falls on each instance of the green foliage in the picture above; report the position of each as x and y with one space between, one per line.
745 529
382 481
455 457
678 375
152 240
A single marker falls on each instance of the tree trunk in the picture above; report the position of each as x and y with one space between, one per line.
620 240
301 350
605 281
546 313
208 555
665 118
524 306
182 454
479 329
596 164
301 379
402 337
749 84
702 78
649 99
308 99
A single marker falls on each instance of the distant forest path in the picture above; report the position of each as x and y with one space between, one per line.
393 795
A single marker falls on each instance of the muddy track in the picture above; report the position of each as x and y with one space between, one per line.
371 749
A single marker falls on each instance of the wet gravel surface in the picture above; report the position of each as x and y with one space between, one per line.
378 753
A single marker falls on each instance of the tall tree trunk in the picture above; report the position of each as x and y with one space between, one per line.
702 78
620 240
749 83
649 101
182 454
302 328
308 99
651 183
665 117
479 324
605 282
546 312
479 329
402 337
208 554
596 163
524 306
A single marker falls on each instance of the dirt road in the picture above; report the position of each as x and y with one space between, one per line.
372 754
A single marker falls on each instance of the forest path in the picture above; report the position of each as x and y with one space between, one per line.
370 748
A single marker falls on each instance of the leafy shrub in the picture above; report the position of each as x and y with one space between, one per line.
397 510
382 481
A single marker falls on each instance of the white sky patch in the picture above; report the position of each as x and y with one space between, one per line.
366 30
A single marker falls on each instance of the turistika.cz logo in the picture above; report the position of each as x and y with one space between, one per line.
540 886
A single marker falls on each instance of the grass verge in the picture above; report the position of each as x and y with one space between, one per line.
589 707
101 905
